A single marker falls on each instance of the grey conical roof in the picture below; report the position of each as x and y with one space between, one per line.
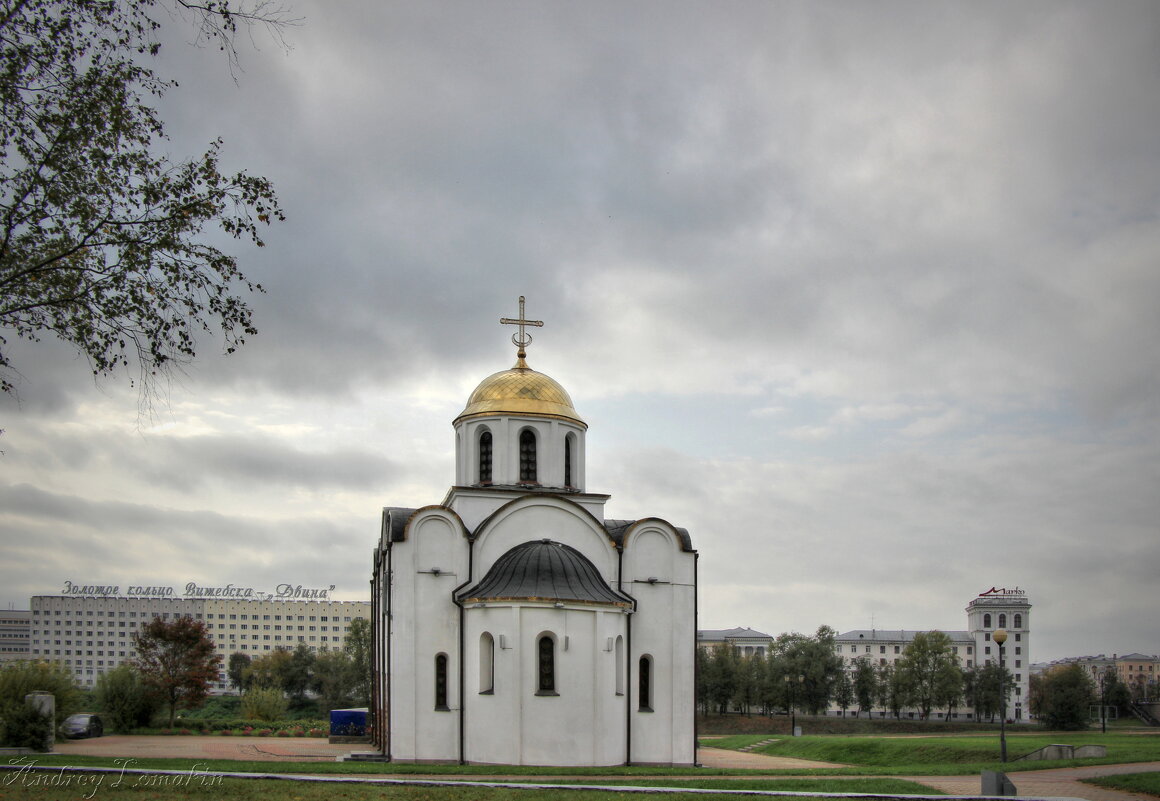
543 570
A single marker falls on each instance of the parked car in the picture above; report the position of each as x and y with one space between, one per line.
83 725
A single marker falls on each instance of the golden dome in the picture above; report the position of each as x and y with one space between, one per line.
523 391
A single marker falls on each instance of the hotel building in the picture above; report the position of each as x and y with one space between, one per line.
92 634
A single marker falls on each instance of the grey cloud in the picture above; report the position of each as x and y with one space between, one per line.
945 209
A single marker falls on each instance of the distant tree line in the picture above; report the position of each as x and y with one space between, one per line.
1066 697
339 678
808 673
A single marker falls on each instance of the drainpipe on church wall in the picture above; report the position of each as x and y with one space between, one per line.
627 658
390 612
696 613
462 651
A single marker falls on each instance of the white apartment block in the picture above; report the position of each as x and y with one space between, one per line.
1009 610
92 634
15 625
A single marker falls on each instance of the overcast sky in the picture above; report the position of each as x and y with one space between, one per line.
864 295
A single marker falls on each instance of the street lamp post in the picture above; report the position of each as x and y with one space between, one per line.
1000 636
792 711
1104 702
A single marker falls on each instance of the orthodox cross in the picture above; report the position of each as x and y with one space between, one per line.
522 339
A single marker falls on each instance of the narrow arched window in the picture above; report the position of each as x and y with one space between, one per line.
644 683
546 665
1018 620
1002 621
486 663
485 457
987 621
441 681
527 455
568 461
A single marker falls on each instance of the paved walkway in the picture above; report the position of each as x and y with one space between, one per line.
1060 783
1054 783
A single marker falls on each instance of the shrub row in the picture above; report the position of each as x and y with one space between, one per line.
244 731
242 723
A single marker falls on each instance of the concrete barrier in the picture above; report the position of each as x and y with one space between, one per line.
1064 751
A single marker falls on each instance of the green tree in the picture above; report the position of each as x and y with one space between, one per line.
772 691
970 695
333 676
1114 692
264 703
1035 694
814 658
865 685
725 670
1067 693
19 678
358 648
930 671
843 691
177 661
747 691
987 683
268 670
705 680
892 690
122 697
22 725
238 663
105 242
299 671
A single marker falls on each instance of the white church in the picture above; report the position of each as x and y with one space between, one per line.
514 623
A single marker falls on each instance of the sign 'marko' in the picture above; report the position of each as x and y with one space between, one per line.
1001 592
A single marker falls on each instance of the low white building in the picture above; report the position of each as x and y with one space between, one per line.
745 641
91 633
515 623
1009 610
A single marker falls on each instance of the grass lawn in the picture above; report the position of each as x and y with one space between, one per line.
202 785
946 755
875 757
1148 783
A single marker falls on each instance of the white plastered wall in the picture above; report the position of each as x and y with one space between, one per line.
582 724
426 567
662 578
533 518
